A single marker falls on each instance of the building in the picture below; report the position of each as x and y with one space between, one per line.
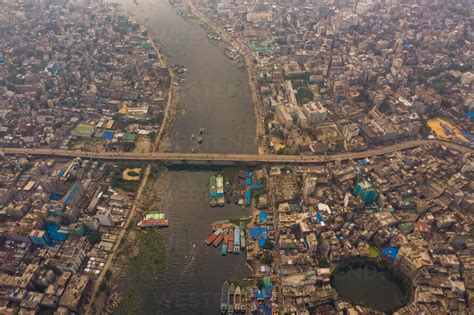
365 191
73 295
74 195
309 186
40 238
105 217
315 112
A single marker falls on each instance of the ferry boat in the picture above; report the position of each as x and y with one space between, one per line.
224 297
200 137
237 299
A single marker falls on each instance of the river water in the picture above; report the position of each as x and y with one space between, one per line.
216 96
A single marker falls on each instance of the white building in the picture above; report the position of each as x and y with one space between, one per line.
104 216
315 112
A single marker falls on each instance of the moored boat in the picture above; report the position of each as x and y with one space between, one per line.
243 306
237 240
153 223
237 299
230 246
218 240
211 238
230 299
224 245
224 297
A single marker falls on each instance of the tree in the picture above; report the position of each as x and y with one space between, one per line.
94 237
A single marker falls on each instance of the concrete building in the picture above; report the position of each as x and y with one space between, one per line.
315 112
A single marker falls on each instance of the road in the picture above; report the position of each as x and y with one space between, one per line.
179 158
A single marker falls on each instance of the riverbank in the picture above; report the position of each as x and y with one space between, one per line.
98 296
243 49
173 95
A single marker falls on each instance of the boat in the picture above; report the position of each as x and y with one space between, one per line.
220 190
218 240
237 240
230 299
230 244
224 245
200 138
224 297
212 190
237 299
145 223
242 238
192 136
211 238
243 305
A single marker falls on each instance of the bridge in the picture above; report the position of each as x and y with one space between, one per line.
231 158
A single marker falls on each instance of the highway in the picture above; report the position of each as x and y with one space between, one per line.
180 158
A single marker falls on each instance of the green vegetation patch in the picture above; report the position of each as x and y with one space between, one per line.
140 286
373 252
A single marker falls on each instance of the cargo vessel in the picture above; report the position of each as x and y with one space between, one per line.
237 240
224 297
237 300
230 299
211 238
218 240
230 245
224 245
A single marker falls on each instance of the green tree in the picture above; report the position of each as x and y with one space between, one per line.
94 237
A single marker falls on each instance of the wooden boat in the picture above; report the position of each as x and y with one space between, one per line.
237 299
230 299
224 297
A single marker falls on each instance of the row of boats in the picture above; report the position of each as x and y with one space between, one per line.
233 299
231 236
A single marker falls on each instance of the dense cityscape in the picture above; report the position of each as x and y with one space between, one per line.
231 157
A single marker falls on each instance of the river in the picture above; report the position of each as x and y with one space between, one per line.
216 96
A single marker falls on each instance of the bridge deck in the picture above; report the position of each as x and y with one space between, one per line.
243 158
